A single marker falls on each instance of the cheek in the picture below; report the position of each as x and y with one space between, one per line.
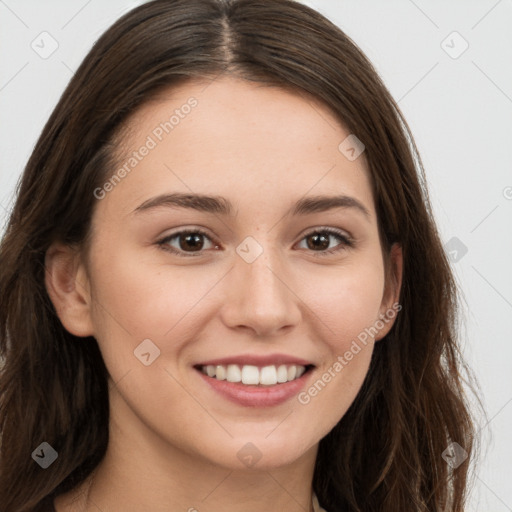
346 301
135 300
346 307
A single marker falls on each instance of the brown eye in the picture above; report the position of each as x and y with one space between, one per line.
320 240
194 242
186 243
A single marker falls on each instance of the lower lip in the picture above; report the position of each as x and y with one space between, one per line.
256 396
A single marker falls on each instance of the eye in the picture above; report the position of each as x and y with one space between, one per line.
319 241
188 242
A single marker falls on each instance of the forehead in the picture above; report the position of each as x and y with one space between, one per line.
237 139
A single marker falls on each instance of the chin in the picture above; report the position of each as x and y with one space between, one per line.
258 453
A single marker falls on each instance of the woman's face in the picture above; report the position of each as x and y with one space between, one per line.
279 274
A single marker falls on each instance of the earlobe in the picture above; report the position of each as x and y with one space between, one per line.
390 302
67 285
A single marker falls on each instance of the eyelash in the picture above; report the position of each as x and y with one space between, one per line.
346 241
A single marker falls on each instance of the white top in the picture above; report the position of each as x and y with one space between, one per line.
316 505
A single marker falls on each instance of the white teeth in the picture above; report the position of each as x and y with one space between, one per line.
233 373
220 373
252 375
268 376
282 373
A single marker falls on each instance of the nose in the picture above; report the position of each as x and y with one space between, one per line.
260 297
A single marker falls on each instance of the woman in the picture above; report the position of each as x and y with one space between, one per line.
221 283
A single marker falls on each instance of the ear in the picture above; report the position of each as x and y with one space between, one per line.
390 301
68 287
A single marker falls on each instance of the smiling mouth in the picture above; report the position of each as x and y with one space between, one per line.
252 375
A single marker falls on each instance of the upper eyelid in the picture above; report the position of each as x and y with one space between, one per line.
201 231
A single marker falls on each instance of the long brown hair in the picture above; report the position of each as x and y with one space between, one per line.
386 452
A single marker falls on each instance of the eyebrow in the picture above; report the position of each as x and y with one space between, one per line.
221 205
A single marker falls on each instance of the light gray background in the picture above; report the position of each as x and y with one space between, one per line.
460 112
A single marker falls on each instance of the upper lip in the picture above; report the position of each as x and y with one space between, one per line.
255 360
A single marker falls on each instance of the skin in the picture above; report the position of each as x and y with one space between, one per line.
174 441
